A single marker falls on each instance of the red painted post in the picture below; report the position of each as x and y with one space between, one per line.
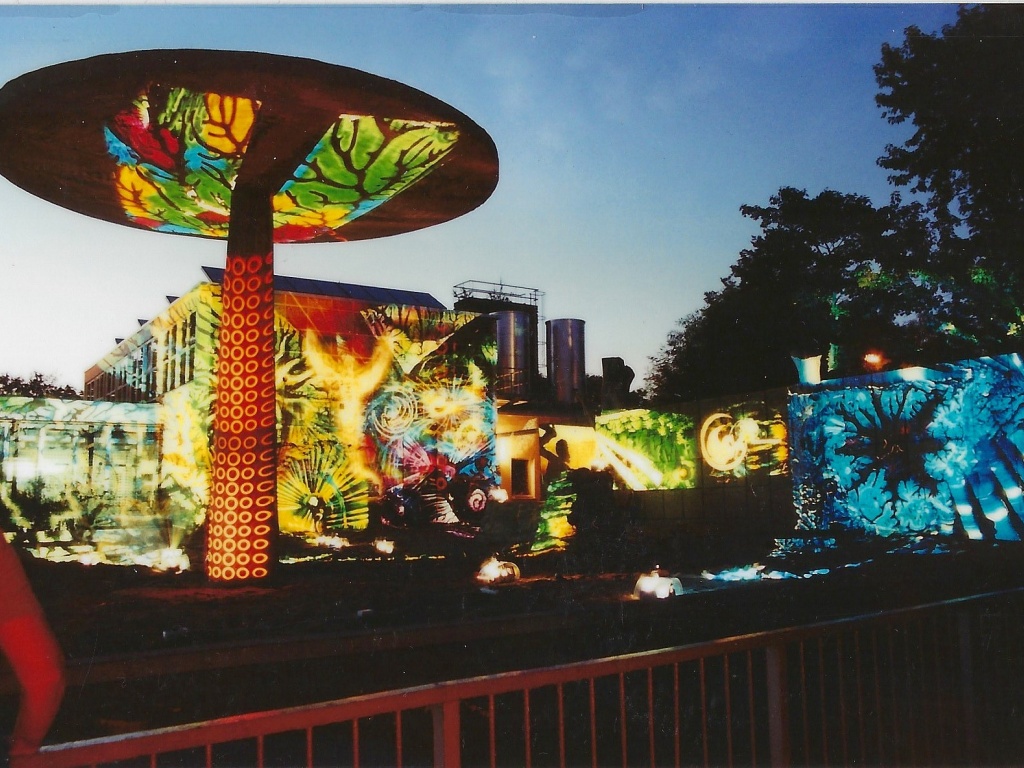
447 735
241 526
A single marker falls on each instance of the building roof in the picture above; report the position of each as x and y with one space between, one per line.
343 290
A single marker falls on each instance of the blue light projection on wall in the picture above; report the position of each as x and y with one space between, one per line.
919 450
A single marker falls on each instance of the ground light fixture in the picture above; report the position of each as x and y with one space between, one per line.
657 584
384 546
495 571
255 149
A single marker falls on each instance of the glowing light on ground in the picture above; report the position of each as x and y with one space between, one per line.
658 585
334 542
495 571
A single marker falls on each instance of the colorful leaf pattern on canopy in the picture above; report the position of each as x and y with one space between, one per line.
178 154
359 164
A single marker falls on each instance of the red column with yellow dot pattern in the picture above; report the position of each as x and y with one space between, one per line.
241 526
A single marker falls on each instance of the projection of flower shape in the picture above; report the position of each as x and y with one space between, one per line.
880 445
178 154
319 492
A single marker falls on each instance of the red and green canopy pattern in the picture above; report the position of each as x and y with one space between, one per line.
178 154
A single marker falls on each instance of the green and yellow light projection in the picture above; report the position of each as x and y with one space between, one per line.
258 149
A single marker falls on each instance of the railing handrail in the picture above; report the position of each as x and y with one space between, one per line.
256 724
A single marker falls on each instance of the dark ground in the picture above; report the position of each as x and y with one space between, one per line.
146 650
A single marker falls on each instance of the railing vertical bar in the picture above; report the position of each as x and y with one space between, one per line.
492 732
804 704
527 737
593 726
942 683
560 691
676 722
946 685
704 714
623 737
930 703
777 682
821 706
894 711
878 696
965 637
750 708
447 734
650 712
152 759
958 704
841 683
309 748
399 759
728 709
259 751
209 755
911 713
859 672
355 742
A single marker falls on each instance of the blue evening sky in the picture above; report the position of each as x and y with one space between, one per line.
628 137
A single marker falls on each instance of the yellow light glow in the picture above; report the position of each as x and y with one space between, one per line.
494 571
874 361
334 542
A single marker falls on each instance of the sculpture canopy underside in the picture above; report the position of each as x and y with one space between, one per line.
160 139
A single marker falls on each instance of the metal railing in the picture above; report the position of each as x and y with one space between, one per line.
935 684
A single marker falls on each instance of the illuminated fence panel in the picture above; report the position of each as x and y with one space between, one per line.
937 684
911 451
709 444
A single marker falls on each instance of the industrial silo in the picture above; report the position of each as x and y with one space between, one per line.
566 358
516 354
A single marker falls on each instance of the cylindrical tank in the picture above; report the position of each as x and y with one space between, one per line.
567 370
515 355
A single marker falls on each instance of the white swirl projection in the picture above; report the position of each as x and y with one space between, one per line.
726 441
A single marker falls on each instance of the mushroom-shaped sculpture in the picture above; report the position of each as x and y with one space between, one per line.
257 149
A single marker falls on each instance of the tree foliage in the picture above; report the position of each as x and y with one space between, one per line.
962 91
828 270
939 278
38 385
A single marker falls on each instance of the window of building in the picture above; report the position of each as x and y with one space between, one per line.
520 479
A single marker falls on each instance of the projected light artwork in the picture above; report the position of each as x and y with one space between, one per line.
375 404
937 450
256 149
178 156
716 443
80 480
